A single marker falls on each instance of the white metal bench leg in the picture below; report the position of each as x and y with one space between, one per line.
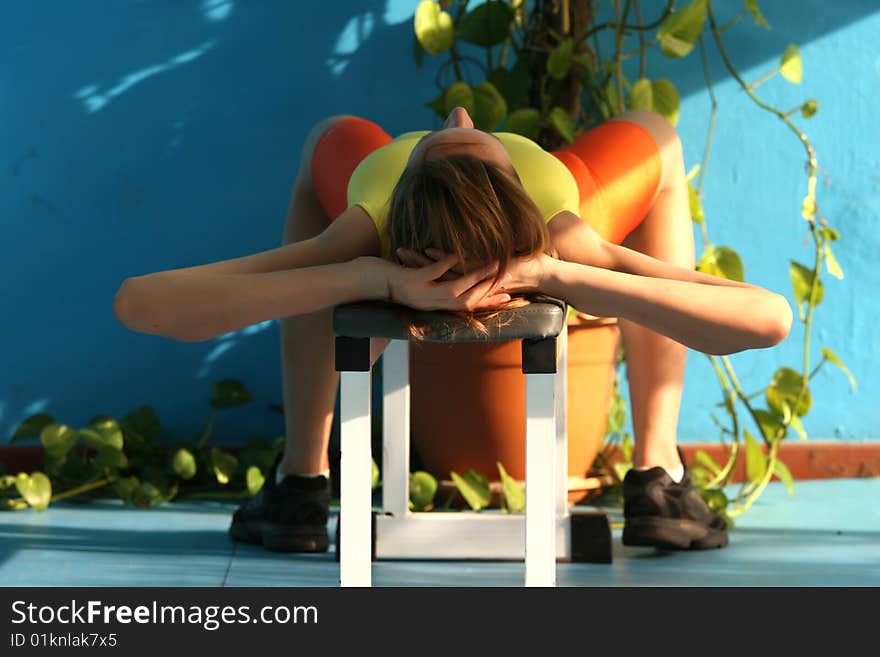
541 498
355 499
395 428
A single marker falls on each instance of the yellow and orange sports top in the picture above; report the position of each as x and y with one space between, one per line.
545 178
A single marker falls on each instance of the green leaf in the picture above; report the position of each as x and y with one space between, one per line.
563 123
785 388
458 94
666 100
780 470
32 426
679 32
126 487
229 393
659 96
514 496
524 122
146 495
110 431
109 458
831 263
696 206
57 440
560 59
829 234
513 84
183 463
790 66
422 489
755 11
375 480
770 424
835 360
612 98
486 25
707 462
756 461
641 96
36 489
254 480
721 261
715 499
489 106
223 465
474 488
433 27
141 426
809 108
796 424
801 280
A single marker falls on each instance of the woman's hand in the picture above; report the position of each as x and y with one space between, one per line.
430 285
524 274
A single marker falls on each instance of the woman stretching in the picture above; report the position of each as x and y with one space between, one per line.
461 219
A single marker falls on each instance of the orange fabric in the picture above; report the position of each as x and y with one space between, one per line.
338 151
617 167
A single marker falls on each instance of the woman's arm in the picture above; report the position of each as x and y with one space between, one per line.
576 241
192 308
201 302
714 319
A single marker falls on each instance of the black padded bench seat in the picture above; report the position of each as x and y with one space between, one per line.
543 318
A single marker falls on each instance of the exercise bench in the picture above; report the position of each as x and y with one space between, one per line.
547 531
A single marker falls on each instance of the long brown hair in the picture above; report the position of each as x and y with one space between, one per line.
472 208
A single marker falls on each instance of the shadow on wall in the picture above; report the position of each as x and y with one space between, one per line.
750 45
159 135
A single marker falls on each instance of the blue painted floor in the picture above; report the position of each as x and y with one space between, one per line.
828 534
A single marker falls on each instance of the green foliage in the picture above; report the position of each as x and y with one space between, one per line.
659 96
474 488
486 25
790 66
126 459
721 261
433 27
678 34
422 489
513 498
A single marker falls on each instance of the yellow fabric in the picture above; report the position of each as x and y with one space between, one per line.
546 180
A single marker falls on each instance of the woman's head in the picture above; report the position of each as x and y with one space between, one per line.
460 193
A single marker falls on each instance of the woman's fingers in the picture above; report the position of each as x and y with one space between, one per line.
411 258
467 281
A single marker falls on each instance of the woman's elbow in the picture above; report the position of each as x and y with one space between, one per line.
778 320
132 307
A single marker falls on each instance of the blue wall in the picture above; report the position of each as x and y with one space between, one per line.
158 134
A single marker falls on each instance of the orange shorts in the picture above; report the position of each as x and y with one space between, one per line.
616 166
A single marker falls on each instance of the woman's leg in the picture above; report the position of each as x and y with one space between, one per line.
655 364
309 377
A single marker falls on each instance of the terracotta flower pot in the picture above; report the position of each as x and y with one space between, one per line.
468 402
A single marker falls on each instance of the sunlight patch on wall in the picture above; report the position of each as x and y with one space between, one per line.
227 341
216 10
94 99
356 31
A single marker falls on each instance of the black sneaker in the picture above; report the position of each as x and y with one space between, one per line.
661 513
290 516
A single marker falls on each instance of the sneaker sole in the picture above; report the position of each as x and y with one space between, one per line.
280 539
672 534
